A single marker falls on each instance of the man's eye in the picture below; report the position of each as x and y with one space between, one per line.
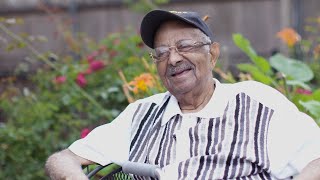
161 53
184 47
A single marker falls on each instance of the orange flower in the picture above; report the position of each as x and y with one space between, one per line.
142 83
289 36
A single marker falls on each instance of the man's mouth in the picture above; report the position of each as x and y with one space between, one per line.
178 70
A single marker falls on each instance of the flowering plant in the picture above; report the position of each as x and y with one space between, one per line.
294 78
70 96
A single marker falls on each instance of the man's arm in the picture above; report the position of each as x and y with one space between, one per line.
311 171
66 165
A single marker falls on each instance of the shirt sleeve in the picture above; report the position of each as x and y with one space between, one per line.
293 142
107 143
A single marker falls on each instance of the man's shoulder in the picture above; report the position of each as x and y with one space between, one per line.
260 92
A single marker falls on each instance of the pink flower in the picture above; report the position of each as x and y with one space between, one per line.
88 71
96 65
81 80
84 132
91 57
303 91
60 79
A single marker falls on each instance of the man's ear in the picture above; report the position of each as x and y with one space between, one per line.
215 52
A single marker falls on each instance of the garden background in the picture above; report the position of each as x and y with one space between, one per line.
69 66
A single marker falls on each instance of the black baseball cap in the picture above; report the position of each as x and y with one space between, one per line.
152 21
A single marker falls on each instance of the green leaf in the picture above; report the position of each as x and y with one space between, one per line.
316 95
245 46
256 73
312 106
262 63
292 68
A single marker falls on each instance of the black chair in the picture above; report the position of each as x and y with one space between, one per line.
107 172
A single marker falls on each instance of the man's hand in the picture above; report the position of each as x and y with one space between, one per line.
66 165
311 171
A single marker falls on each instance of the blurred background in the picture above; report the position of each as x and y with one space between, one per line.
67 66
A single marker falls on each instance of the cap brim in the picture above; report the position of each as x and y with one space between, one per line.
152 21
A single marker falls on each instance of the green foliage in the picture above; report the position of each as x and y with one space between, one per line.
293 69
291 77
260 69
313 107
69 95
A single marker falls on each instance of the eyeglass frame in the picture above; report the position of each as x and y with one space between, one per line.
195 45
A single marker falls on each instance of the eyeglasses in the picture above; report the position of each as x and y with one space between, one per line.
162 53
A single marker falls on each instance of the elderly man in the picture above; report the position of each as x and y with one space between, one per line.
200 128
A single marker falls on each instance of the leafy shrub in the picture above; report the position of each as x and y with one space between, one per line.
70 97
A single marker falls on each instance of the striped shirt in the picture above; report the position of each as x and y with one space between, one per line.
240 134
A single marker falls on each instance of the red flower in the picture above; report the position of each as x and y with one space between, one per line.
60 79
84 132
81 80
96 65
303 91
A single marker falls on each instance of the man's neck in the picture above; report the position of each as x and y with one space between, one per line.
195 101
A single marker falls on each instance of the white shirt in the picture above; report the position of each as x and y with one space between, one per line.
293 137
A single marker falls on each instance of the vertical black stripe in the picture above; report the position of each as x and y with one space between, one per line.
185 168
161 146
223 134
236 127
141 125
191 142
256 133
142 140
208 163
180 170
263 134
236 161
216 136
268 162
196 140
170 150
202 160
247 134
164 146
209 135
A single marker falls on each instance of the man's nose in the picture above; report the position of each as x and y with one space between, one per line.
174 57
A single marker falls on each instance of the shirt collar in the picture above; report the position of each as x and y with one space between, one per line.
173 108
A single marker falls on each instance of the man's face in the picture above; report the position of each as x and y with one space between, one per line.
188 71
